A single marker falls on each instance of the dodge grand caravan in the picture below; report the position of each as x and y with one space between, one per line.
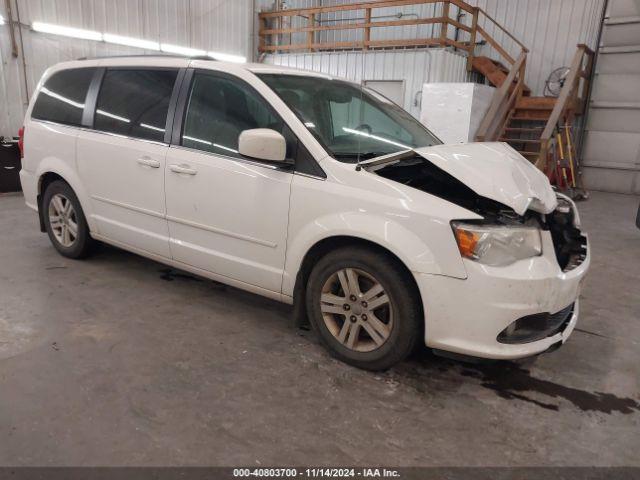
310 190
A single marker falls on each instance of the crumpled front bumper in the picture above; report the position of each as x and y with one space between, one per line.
465 316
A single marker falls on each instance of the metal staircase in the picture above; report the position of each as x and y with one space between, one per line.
612 143
541 128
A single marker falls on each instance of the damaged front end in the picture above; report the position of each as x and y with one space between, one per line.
509 227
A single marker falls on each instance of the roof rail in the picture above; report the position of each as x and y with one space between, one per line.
159 55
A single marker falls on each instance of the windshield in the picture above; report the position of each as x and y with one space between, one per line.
351 122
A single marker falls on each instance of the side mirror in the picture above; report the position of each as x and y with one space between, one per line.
262 144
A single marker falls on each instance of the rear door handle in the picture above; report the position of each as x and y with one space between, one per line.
182 169
149 162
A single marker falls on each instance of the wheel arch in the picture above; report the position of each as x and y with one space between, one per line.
48 174
327 244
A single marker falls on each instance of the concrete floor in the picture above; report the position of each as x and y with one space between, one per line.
118 361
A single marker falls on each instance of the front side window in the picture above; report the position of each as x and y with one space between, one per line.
135 102
62 97
352 123
219 109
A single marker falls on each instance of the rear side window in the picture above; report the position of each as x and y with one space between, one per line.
61 98
219 110
135 102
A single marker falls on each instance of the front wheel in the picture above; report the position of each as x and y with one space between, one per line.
364 307
65 221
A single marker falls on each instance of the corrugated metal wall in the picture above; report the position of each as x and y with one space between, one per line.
413 67
218 25
551 29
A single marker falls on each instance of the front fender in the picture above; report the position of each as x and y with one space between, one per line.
436 254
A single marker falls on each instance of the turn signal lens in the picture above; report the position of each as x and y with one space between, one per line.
467 242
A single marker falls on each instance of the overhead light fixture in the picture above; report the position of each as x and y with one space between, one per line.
189 52
66 31
226 57
131 42
1 20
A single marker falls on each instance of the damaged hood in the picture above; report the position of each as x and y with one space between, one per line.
496 171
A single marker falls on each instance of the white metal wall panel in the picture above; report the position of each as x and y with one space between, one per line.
212 25
612 147
414 67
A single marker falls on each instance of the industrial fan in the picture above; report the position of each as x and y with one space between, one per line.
554 83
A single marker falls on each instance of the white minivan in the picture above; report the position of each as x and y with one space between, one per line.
310 190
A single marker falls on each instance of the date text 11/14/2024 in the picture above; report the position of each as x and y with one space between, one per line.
320 472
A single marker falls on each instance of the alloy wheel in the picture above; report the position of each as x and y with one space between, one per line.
63 220
356 310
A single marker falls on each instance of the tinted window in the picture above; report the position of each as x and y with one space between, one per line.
62 97
135 102
219 109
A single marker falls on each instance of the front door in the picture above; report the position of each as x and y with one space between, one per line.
226 214
122 161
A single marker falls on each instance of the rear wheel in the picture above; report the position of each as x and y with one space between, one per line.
65 221
364 307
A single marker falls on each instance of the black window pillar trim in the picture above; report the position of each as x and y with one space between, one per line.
180 107
173 104
91 99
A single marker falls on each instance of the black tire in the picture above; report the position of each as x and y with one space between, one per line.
82 244
403 296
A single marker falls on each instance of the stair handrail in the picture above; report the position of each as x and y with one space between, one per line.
571 99
503 102
270 35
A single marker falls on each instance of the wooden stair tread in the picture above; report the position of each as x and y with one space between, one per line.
536 103
519 140
524 129
529 119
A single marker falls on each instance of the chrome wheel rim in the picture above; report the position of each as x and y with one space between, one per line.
63 220
356 310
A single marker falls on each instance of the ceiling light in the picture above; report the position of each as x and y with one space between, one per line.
67 31
131 42
189 52
1 20
225 57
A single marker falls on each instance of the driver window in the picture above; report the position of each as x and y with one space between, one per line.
219 109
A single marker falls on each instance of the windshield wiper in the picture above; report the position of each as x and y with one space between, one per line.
381 160
361 156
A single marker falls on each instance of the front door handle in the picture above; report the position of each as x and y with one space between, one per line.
148 162
182 169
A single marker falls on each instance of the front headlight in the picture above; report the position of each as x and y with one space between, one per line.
497 245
